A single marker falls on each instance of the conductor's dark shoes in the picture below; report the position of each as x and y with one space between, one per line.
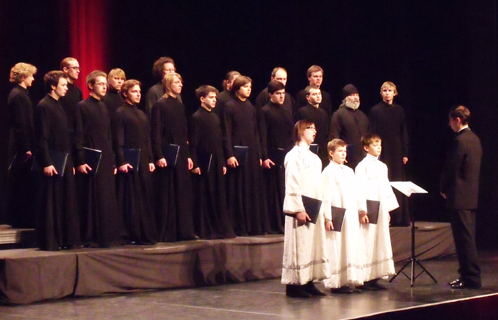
460 284
311 289
296 291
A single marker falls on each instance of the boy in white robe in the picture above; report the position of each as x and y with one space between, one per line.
304 257
344 241
374 184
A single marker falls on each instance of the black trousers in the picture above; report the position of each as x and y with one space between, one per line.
463 225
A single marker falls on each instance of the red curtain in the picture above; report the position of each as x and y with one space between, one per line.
88 24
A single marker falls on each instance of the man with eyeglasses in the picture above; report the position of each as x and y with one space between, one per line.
96 192
71 68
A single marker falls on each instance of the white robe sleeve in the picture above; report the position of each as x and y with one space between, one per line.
293 202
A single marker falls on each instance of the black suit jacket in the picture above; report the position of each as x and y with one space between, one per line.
460 178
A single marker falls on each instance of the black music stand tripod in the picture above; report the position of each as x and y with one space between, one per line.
408 188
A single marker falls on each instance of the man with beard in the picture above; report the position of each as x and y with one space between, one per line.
57 221
279 74
244 194
226 95
113 99
209 166
275 130
100 223
387 119
318 116
71 67
350 124
162 66
315 78
173 182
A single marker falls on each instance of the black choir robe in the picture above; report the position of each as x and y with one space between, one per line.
99 219
275 125
245 198
21 186
130 130
153 94
319 117
57 221
173 184
263 99
350 125
69 102
112 100
221 100
326 103
209 187
388 121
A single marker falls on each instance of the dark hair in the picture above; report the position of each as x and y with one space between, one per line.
228 78
275 85
239 82
204 90
158 67
334 144
367 139
299 128
52 79
460 112
127 85
308 89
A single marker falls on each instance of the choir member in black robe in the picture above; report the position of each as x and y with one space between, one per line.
21 185
349 124
162 66
315 78
96 187
387 119
57 221
130 130
113 99
209 167
173 185
275 130
226 95
279 74
245 198
317 115
71 68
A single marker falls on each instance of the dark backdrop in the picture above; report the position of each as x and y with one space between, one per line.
439 54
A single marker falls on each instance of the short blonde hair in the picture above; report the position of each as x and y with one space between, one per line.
21 70
334 144
168 80
65 62
116 72
388 84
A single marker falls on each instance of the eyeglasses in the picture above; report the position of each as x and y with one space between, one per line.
75 68
103 84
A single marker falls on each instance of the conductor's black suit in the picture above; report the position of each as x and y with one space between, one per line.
460 185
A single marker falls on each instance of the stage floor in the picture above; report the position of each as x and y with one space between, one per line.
265 299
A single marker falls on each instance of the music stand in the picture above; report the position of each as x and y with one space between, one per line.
408 188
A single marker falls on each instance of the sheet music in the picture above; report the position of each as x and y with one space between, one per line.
407 187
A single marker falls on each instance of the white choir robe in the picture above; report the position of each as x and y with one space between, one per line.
374 185
304 257
345 248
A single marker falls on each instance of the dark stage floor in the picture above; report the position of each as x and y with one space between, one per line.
265 299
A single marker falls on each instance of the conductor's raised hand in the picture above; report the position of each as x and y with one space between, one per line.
232 162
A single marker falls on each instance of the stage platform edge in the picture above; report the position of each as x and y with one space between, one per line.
31 275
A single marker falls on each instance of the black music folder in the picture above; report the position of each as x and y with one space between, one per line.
373 211
170 153
132 157
338 218
204 160
277 155
59 160
92 158
312 208
314 148
240 153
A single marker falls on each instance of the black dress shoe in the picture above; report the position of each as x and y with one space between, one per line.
296 291
311 289
464 285
342 290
